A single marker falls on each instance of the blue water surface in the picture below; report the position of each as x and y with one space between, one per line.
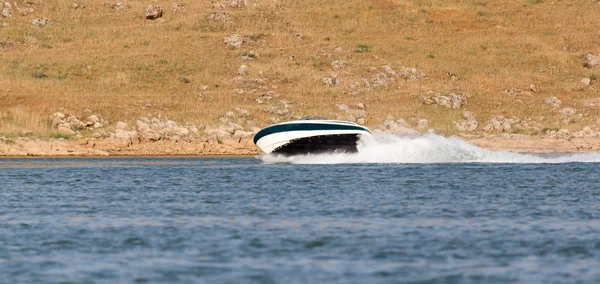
238 220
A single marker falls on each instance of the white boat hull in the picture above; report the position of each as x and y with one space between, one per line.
310 136
271 142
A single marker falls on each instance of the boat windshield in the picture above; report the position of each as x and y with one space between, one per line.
314 118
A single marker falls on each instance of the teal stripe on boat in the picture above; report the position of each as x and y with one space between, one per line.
303 127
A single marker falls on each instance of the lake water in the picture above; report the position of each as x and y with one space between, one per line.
422 210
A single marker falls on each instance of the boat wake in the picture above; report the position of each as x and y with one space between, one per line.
425 149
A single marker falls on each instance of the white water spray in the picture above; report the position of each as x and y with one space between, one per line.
426 149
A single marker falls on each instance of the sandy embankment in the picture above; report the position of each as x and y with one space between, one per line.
536 144
114 147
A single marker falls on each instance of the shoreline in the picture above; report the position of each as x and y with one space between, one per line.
130 156
525 144
90 147
27 147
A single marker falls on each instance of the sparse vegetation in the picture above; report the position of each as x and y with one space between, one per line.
39 74
14 121
361 47
116 63
535 1
59 136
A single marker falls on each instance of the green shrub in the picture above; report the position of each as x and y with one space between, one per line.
361 48
39 74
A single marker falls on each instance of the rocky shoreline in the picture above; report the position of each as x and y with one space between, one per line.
536 144
159 136
117 147
24 146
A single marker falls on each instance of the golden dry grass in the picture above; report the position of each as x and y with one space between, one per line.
18 122
121 66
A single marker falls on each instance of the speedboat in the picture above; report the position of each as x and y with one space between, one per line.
310 135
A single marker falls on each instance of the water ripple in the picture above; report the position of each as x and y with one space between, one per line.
234 220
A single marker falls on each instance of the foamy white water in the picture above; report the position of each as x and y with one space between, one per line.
426 149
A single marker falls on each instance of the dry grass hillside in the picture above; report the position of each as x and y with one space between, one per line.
302 57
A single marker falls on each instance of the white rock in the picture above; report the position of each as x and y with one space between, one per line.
243 134
331 81
585 132
154 12
58 115
76 5
388 69
397 127
563 133
65 130
586 82
126 135
570 115
595 102
242 112
41 22
533 88
568 111
119 6
122 125
142 125
338 64
6 10
25 11
411 74
234 41
469 123
235 3
170 124
553 101
75 123
150 135
221 17
182 131
591 61
356 112
220 132
426 100
443 101
458 100
380 80
93 118
176 6
242 70
498 124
